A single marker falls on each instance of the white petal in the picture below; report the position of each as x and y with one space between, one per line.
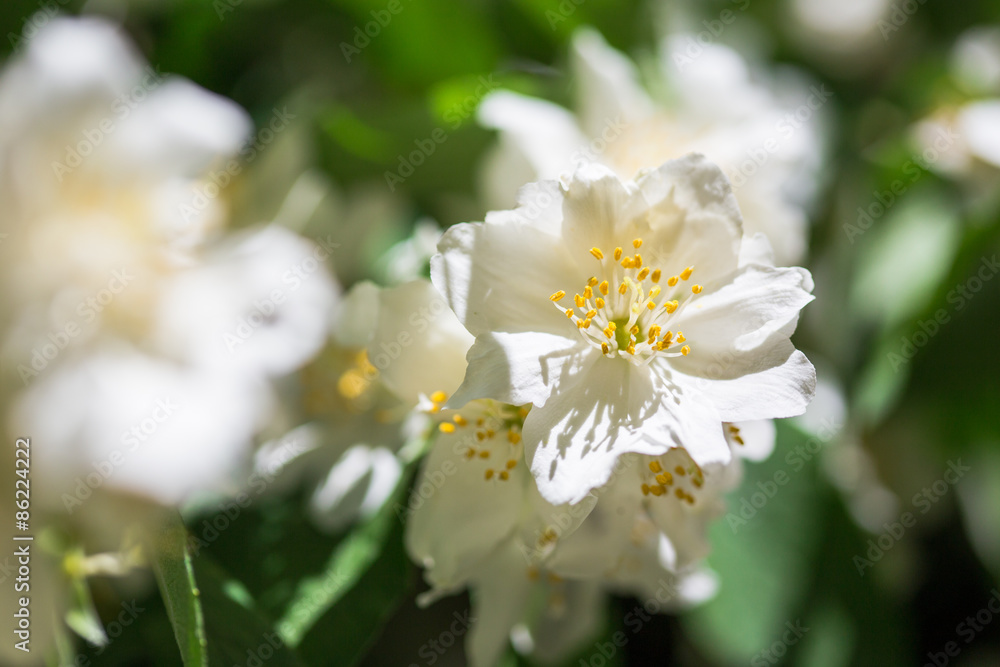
356 315
356 487
604 408
518 368
458 516
419 345
499 276
758 439
139 424
180 129
694 213
979 123
544 133
573 619
500 600
262 304
598 207
609 89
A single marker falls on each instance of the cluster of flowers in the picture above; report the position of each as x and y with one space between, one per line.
587 368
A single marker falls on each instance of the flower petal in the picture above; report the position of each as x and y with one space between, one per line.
609 89
517 368
603 408
419 345
498 277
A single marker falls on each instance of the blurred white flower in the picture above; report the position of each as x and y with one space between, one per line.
642 359
146 341
766 139
962 140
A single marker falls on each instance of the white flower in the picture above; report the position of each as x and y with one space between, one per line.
623 313
147 340
715 108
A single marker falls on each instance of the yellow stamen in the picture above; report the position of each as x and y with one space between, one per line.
696 289
627 262
504 475
596 252
656 276
680 471
579 301
654 466
672 280
446 427
588 292
439 397
592 281
557 295
489 474
511 464
656 490
637 262
686 273
569 313
600 303
645 489
622 289
484 454
591 313
686 350
460 420
604 347
618 254
604 288
642 274
513 437
680 337
636 243
671 306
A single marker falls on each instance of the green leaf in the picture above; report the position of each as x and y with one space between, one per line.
317 595
171 559
761 551
236 630
905 259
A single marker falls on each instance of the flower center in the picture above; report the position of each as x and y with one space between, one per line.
628 312
673 474
489 431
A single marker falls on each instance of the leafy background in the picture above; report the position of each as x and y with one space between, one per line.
349 598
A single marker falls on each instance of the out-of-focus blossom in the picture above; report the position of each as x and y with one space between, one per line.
658 344
765 138
846 34
962 140
139 340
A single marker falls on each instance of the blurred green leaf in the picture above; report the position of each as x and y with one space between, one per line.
341 610
904 260
237 632
171 558
82 616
